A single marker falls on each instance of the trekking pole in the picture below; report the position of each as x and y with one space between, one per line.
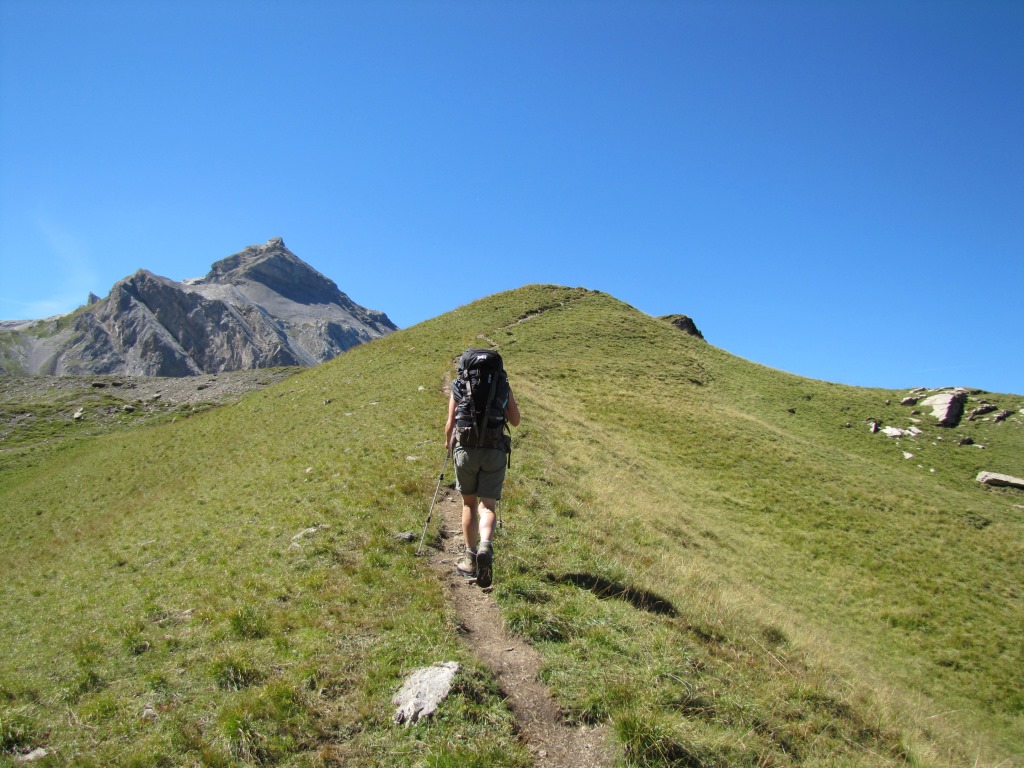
440 478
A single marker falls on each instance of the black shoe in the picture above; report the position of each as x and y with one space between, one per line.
484 561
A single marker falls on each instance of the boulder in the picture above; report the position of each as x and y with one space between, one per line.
423 691
684 324
947 407
1004 481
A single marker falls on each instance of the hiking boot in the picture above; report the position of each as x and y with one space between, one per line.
484 561
467 565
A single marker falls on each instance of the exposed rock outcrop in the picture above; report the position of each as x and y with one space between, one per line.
684 324
1000 480
262 307
947 407
981 410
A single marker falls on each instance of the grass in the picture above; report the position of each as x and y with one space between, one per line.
707 556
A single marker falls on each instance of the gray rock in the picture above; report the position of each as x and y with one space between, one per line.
996 479
981 410
260 308
423 691
36 754
947 407
309 531
684 324
897 432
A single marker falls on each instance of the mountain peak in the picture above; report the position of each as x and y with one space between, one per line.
244 262
278 269
261 307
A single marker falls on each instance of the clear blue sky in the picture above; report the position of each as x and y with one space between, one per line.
835 189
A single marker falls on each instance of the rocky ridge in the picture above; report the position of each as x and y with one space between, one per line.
262 307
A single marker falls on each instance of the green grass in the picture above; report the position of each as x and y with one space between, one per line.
709 559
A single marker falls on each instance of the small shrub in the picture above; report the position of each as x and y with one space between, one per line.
250 623
246 739
537 624
88 681
653 741
232 674
264 723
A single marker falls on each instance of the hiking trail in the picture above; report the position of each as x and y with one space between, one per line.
514 662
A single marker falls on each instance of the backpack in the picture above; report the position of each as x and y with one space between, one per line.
480 415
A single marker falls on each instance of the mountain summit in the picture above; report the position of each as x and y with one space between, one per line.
259 308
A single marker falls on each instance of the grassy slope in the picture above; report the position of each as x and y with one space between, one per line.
793 591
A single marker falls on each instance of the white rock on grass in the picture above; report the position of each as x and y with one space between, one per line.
996 479
897 432
423 691
36 754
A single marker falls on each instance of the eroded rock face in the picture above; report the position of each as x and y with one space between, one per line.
262 307
684 324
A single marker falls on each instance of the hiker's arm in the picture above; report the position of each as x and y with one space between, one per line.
450 424
512 410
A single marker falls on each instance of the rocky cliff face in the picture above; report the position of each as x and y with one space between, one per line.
259 308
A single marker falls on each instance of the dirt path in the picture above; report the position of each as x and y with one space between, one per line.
515 663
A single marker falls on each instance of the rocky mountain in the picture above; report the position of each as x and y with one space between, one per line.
259 308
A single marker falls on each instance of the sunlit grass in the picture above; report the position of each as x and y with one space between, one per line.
707 556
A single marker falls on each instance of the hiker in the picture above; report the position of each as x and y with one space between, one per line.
479 409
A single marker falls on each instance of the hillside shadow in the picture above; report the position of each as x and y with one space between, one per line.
603 588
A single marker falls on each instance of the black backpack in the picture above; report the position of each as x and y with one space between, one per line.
480 417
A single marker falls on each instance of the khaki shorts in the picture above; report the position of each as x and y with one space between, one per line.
479 471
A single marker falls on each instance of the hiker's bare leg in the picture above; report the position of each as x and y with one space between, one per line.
487 516
478 518
470 528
